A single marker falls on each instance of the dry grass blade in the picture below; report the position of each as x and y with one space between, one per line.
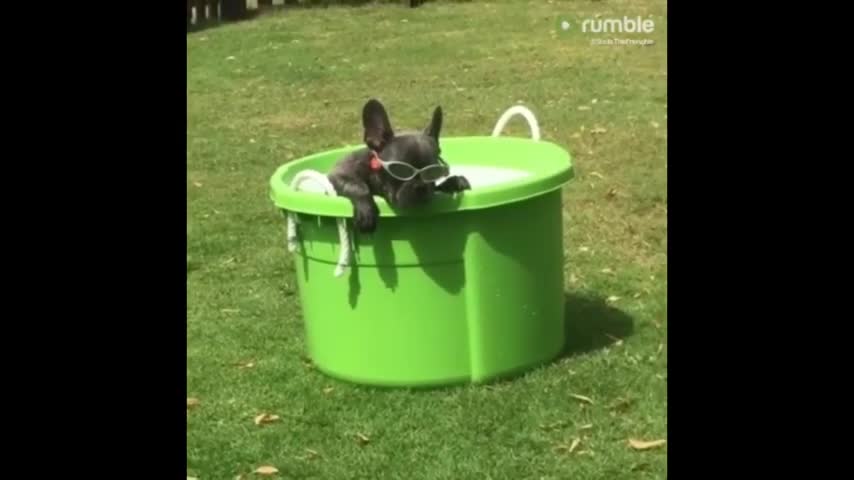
245 364
193 402
309 455
617 341
553 426
266 470
582 398
586 427
362 439
192 478
197 184
328 390
598 130
562 447
265 418
645 445
613 298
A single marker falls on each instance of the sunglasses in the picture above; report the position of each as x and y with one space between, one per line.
405 172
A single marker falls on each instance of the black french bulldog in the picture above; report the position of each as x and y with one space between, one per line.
402 169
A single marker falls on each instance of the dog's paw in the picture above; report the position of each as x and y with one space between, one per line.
455 184
365 217
463 184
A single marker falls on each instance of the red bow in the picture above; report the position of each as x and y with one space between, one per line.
375 162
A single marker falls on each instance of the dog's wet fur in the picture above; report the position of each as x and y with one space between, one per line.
354 179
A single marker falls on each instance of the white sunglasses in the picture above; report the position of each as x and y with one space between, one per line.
405 172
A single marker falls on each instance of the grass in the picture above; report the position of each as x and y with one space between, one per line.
281 86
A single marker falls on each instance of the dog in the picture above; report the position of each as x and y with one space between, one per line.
400 168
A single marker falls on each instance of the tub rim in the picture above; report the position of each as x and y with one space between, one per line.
544 175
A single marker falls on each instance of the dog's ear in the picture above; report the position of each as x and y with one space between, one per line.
435 125
378 131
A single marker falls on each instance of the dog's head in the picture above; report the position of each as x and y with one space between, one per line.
409 163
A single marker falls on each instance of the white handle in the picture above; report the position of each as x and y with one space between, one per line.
326 187
518 110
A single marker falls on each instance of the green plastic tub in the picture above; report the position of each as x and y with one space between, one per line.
466 289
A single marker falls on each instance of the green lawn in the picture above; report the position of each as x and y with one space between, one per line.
272 89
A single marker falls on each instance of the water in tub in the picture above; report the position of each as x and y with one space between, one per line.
480 176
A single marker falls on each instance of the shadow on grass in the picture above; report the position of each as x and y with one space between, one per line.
592 324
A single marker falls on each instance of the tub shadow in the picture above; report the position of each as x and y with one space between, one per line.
449 272
592 324
589 324
450 276
384 254
355 286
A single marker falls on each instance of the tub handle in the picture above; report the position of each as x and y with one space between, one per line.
345 255
524 112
